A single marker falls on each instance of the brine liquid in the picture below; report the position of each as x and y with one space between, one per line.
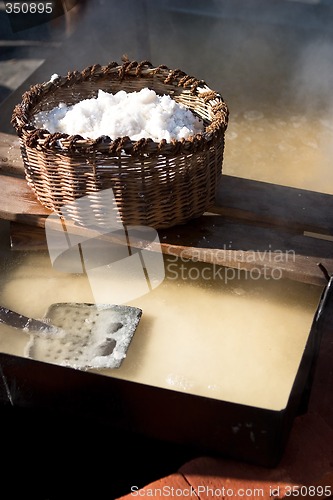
288 149
239 340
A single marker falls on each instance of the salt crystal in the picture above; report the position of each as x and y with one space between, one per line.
179 382
135 114
54 77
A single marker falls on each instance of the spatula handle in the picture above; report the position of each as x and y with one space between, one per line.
16 320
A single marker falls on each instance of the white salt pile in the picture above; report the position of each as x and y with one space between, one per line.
135 114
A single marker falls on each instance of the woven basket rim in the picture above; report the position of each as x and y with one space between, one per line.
22 114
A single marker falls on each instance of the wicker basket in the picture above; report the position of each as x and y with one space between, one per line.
154 184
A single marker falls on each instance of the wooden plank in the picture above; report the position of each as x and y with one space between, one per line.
269 252
27 238
17 202
263 202
272 251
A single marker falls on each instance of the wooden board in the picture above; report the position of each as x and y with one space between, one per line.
253 226
19 204
261 202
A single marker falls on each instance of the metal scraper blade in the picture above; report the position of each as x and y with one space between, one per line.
91 335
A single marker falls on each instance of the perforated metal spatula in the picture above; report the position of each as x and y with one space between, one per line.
81 336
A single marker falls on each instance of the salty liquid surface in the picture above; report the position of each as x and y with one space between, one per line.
289 149
238 340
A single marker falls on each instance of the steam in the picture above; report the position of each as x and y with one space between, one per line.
313 79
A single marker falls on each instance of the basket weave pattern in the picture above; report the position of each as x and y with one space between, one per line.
154 184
